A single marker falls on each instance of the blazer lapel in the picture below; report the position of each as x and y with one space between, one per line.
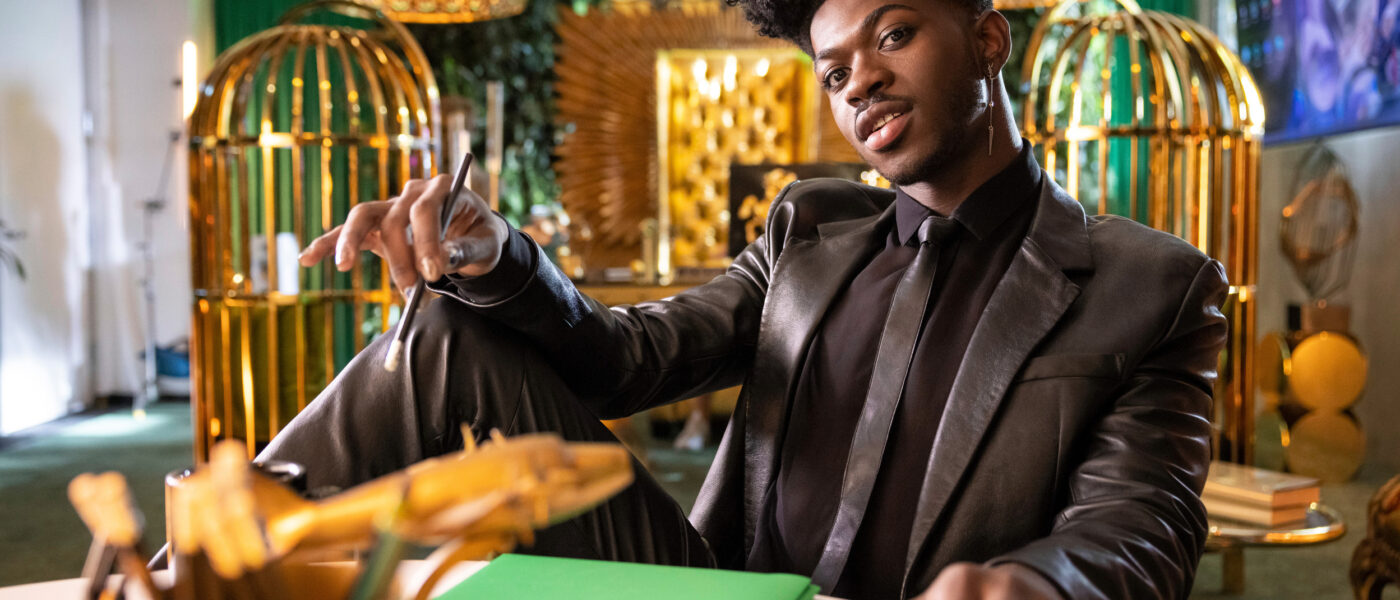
807 278
1031 297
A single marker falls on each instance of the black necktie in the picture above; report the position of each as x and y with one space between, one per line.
896 351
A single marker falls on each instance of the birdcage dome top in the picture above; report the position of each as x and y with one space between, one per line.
320 85
1170 75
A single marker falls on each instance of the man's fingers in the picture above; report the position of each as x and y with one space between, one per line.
1009 581
361 220
319 248
392 232
955 582
405 232
425 216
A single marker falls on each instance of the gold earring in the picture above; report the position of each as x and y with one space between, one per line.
991 103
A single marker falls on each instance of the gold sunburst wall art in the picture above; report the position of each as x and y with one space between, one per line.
608 163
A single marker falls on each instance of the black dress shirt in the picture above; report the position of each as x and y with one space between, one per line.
831 389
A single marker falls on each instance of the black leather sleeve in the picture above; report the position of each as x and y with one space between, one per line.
626 359
1135 526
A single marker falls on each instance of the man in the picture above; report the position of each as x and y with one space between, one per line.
962 389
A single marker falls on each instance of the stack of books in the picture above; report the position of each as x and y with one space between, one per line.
1257 496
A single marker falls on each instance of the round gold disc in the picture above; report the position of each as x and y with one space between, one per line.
1327 371
1327 445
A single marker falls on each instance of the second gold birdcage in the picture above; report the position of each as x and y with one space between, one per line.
1148 115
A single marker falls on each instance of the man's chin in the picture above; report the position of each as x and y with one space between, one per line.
911 167
900 173
900 163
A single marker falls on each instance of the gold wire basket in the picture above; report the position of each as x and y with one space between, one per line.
1147 115
295 126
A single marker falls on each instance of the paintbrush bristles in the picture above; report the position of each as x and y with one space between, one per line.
391 362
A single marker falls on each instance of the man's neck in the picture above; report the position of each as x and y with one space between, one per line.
947 190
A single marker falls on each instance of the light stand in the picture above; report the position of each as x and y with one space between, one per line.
149 207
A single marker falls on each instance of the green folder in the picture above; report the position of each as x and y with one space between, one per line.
522 577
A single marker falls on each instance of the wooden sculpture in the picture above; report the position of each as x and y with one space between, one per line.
237 533
1376 562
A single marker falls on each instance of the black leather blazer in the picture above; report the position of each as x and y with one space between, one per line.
1075 439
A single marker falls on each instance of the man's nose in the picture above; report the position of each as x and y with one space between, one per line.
868 77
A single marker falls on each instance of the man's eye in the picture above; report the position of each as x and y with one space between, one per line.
894 37
834 78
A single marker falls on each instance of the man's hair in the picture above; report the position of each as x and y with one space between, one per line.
791 20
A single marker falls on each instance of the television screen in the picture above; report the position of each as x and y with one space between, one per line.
1323 66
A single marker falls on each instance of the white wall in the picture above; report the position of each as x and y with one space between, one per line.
134 59
75 329
44 365
1373 161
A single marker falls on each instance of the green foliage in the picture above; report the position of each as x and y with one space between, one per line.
519 52
1022 24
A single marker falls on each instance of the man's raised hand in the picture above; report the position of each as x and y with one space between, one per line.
383 228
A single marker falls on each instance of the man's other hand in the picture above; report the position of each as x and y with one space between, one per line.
968 581
383 228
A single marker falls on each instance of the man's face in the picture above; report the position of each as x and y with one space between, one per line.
903 81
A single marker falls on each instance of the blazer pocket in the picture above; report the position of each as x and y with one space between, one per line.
1097 366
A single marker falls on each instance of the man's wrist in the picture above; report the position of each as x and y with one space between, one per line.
511 273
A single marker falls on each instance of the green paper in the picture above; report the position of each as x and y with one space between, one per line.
522 577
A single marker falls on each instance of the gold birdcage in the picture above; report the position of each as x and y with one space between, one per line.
295 126
1148 115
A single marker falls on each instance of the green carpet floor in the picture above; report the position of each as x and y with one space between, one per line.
41 538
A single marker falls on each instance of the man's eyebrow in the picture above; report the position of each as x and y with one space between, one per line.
865 24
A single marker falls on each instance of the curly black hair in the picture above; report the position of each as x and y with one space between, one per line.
791 20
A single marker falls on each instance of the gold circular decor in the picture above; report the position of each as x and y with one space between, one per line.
1327 371
1327 445
1269 376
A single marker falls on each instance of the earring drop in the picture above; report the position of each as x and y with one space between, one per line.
991 103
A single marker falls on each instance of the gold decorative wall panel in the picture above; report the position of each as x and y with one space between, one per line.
718 107
294 126
607 168
1147 115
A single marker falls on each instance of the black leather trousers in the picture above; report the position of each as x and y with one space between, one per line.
459 367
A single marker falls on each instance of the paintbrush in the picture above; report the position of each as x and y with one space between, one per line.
449 205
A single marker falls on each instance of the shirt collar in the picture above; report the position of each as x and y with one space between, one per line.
986 208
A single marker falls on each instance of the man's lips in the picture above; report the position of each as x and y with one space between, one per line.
886 132
882 122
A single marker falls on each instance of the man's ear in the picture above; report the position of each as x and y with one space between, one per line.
993 34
